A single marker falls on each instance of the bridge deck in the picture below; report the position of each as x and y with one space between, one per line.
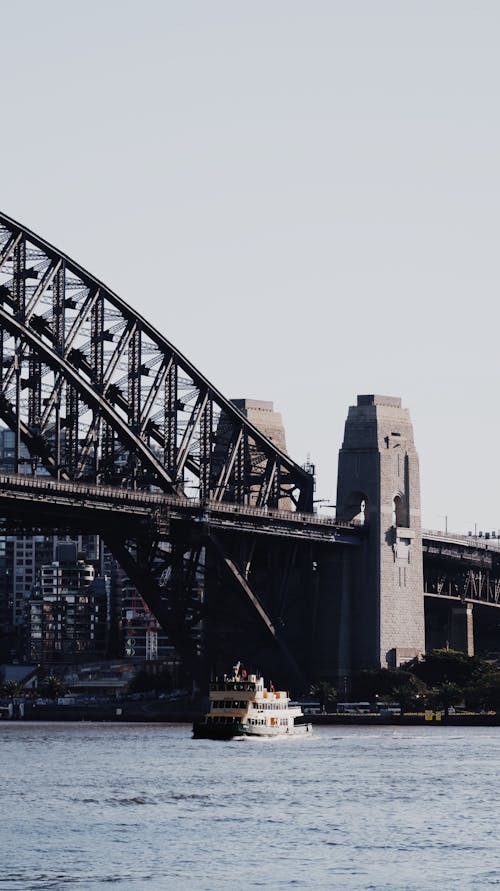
15 488
467 541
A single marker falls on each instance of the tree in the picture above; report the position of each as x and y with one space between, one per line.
382 682
486 693
452 666
411 696
325 693
446 695
10 689
53 687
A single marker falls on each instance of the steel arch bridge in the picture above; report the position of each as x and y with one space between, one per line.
96 396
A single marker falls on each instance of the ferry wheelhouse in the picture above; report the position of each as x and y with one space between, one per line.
240 705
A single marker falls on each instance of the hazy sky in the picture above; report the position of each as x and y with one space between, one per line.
303 197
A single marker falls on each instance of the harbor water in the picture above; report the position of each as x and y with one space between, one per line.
133 807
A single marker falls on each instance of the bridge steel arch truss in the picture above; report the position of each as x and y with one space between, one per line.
94 394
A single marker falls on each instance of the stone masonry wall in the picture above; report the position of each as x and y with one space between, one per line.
378 465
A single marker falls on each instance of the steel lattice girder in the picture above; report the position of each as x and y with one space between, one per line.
96 393
469 573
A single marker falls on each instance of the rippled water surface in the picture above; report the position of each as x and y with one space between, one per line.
144 806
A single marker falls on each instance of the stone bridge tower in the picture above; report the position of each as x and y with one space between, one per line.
378 484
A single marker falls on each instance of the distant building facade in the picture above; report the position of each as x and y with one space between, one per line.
68 611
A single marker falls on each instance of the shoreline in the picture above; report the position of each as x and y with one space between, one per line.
154 712
479 719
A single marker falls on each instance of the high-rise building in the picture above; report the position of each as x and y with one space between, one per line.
68 610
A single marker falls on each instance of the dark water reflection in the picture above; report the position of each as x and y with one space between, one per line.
144 806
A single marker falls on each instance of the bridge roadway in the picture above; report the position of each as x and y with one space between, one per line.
456 566
452 543
33 500
461 567
19 493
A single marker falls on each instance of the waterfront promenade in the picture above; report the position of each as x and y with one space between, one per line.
154 711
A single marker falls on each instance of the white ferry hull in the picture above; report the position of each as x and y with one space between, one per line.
269 732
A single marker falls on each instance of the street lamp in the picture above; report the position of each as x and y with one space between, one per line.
445 518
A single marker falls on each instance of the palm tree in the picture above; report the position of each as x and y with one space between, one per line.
53 687
325 693
10 689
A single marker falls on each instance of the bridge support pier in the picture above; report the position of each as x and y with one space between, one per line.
462 628
379 488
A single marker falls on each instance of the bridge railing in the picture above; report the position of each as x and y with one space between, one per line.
147 498
471 540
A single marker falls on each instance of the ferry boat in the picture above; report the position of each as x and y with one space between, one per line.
240 705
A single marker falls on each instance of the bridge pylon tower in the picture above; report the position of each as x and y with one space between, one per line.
379 487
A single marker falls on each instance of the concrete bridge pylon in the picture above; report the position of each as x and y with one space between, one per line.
379 487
